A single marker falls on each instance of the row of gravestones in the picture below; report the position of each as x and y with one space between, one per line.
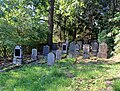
73 49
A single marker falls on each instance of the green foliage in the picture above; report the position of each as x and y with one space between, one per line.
116 32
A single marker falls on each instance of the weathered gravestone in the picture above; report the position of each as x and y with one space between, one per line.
64 48
46 50
50 59
58 54
17 55
54 48
86 50
80 44
72 49
77 49
34 54
103 48
95 47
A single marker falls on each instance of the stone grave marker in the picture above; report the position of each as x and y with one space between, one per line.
95 47
72 49
54 48
77 49
80 44
58 54
86 50
103 48
34 54
50 59
46 50
64 48
17 55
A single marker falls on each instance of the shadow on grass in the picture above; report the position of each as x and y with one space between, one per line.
49 78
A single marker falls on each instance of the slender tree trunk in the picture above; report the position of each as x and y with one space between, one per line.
4 55
50 22
114 4
74 34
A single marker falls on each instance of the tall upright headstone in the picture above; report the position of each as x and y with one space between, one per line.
58 54
54 48
80 44
103 48
46 50
64 48
95 47
86 50
72 49
50 59
17 55
34 54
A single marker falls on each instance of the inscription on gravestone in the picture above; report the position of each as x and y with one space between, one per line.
64 48
17 55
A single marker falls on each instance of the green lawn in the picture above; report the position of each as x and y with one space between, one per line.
63 76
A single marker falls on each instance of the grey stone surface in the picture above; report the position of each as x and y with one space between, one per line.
46 50
34 54
58 54
50 59
17 55
86 51
95 47
103 48
64 48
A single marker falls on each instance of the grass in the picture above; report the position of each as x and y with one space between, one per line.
63 76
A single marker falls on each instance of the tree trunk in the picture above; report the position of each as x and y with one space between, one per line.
74 34
50 22
4 55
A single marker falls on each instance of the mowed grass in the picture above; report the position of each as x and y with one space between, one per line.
63 76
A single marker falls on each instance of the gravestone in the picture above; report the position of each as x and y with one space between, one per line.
64 48
67 43
77 49
95 47
86 50
46 50
17 55
103 48
34 54
50 59
58 54
54 48
72 49
80 44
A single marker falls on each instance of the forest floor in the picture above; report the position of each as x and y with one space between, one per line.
66 75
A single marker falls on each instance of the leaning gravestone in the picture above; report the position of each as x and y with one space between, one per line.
72 49
103 48
34 54
50 59
17 55
80 44
86 50
95 47
58 54
64 48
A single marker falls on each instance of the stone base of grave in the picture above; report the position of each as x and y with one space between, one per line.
34 57
102 55
17 61
86 56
